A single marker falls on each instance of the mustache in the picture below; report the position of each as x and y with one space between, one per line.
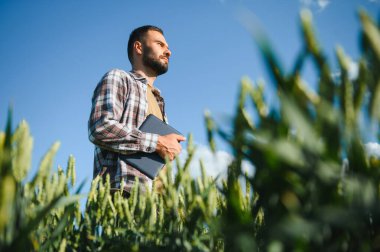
164 57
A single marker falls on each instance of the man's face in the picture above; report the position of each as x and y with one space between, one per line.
156 52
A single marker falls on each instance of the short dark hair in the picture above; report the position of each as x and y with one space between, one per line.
138 35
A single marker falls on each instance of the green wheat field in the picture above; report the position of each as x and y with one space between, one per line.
314 187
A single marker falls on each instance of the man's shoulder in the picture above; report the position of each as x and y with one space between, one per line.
118 73
118 76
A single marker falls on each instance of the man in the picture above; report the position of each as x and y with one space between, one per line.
121 102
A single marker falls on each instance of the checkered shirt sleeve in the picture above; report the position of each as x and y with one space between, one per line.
112 124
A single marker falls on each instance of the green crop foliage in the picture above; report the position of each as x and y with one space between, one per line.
44 214
34 214
181 218
317 190
314 187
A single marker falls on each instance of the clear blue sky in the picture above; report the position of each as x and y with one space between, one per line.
53 53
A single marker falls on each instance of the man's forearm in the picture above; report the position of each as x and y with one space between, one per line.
116 137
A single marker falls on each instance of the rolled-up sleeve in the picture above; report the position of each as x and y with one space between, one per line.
104 126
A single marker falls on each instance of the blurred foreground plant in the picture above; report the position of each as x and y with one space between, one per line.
313 181
34 215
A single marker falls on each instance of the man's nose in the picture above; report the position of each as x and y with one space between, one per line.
167 53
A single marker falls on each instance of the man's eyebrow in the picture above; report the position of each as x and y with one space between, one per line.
160 41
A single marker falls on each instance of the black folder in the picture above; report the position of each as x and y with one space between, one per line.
150 163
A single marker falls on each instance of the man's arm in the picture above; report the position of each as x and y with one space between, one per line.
104 127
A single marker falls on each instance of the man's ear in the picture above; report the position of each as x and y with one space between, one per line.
137 46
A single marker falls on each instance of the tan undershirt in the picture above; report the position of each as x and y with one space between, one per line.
154 109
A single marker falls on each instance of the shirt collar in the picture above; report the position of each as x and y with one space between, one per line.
139 77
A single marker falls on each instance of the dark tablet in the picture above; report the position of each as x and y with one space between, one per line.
150 163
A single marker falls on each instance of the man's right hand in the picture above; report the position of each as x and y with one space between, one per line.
168 146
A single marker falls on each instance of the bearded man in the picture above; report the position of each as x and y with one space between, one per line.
121 102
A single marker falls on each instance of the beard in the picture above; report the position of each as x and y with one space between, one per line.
153 63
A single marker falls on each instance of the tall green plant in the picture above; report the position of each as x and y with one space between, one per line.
33 214
314 182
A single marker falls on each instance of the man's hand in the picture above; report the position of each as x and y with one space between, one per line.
169 145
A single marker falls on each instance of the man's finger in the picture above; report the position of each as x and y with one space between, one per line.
180 138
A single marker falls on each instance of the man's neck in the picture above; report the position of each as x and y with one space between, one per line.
149 77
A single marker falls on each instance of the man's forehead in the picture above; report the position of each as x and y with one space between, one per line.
155 35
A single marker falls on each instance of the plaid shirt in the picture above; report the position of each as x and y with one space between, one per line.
119 107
